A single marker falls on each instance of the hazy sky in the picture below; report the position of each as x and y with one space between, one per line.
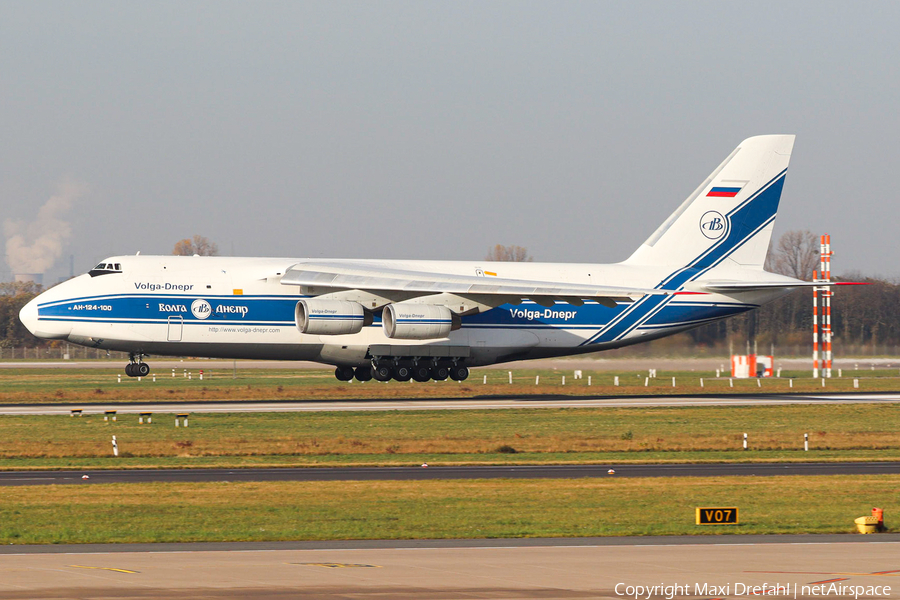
435 130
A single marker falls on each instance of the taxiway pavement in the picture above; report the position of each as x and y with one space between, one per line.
445 569
419 473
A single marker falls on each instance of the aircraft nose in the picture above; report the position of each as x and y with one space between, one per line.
29 316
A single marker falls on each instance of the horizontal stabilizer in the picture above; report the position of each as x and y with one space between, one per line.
749 286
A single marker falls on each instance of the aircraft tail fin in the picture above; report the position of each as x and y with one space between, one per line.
730 216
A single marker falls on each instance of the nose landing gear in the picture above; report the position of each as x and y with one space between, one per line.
137 369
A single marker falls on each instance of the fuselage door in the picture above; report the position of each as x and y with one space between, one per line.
176 325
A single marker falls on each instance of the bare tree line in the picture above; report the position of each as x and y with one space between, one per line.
864 317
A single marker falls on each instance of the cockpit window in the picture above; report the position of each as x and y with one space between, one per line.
105 269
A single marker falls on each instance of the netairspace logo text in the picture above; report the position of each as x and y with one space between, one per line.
792 590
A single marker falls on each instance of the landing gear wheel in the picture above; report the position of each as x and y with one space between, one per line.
421 373
402 373
141 369
363 373
459 373
383 373
440 373
343 373
129 369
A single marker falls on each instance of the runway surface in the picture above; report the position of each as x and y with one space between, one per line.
573 542
483 403
418 473
439 570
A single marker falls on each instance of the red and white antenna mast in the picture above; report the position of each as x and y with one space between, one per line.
822 276
828 294
815 326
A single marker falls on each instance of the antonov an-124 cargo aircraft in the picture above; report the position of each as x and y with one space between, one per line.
415 319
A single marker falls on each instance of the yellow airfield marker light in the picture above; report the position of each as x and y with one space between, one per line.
717 515
866 524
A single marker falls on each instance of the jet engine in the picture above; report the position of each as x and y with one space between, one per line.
409 321
330 317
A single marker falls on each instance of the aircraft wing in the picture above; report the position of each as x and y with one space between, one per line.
361 276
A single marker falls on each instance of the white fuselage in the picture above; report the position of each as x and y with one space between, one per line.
704 263
238 308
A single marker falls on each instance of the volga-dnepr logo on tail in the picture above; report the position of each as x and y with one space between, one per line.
713 224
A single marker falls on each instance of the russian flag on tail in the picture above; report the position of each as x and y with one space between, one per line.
723 192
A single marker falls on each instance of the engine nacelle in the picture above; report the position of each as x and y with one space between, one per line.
329 317
408 321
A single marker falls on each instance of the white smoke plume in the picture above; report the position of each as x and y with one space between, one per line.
34 247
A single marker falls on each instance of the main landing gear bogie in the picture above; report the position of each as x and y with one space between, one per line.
440 372
382 372
421 373
459 373
404 370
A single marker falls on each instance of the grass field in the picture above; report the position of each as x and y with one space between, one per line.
28 386
169 512
160 512
565 435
